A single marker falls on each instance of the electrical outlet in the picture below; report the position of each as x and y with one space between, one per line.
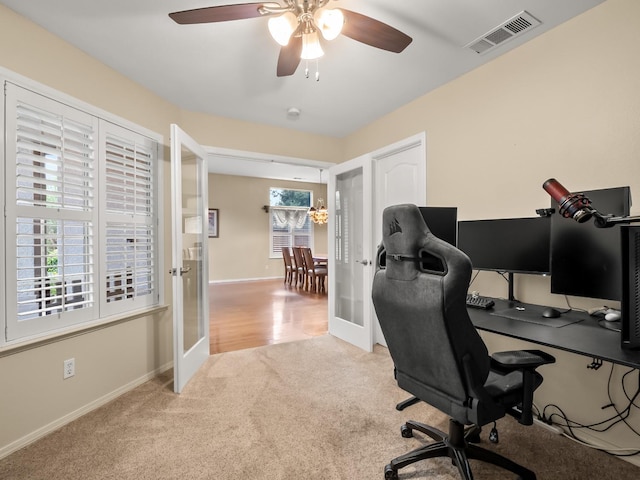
69 368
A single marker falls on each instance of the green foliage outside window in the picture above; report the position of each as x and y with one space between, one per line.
290 198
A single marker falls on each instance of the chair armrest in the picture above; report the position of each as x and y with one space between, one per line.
518 359
526 361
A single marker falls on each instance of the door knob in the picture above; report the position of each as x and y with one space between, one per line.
364 262
183 270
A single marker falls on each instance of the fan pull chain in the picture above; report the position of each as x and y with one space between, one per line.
306 70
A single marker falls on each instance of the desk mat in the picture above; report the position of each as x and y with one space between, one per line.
534 315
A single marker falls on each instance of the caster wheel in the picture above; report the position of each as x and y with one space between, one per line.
406 432
390 473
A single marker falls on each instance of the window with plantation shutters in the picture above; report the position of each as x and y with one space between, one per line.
81 225
289 223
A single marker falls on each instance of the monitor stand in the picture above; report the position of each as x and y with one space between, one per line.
510 281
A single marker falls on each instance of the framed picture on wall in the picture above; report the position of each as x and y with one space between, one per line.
213 223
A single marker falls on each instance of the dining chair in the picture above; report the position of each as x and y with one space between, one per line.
316 274
301 274
288 265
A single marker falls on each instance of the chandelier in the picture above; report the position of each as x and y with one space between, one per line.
319 215
305 19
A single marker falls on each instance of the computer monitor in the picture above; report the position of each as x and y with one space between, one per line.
442 222
587 261
513 245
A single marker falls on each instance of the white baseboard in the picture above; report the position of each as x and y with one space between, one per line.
70 417
552 428
238 280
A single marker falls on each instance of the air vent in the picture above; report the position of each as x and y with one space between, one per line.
512 28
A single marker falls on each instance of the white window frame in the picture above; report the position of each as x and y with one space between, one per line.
99 313
291 234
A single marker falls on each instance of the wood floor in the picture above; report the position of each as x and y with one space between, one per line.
251 314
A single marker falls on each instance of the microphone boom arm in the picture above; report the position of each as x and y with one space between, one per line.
607 221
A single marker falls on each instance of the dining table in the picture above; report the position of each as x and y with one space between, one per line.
321 259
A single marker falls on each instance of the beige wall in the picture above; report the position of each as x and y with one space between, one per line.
242 249
563 105
225 133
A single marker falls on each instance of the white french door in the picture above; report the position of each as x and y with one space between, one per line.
350 253
359 190
400 176
189 187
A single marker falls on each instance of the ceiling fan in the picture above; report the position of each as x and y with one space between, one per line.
297 24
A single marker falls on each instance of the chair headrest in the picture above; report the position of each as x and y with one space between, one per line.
409 247
403 230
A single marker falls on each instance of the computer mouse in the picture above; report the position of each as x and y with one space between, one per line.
612 316
551 312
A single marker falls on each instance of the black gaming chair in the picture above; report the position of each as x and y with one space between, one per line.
419 294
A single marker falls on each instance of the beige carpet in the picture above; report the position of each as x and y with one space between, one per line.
315 409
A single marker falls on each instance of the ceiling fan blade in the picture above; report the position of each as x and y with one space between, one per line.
373 32
222 13
289 57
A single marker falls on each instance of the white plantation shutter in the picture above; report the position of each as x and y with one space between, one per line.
129 263
51 227
81 234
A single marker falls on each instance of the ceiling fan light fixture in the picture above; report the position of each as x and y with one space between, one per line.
282 27
329 22
311 48
296 26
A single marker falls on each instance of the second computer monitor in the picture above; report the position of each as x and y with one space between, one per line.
442 222
515 245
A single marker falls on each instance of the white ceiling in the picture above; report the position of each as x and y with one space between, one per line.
229 69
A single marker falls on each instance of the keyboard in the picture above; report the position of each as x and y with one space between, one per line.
476 301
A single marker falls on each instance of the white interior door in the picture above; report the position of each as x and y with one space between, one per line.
359 190
400 172
350 252
189 185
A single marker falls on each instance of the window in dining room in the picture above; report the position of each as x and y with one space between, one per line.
289 224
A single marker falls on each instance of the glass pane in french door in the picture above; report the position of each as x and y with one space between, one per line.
192 240
349 247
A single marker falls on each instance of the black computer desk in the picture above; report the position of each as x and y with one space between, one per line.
585 337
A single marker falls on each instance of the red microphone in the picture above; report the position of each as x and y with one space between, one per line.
571 205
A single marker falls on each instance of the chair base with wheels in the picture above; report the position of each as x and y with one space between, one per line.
457 446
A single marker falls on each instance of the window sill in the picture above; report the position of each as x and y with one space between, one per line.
18 346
